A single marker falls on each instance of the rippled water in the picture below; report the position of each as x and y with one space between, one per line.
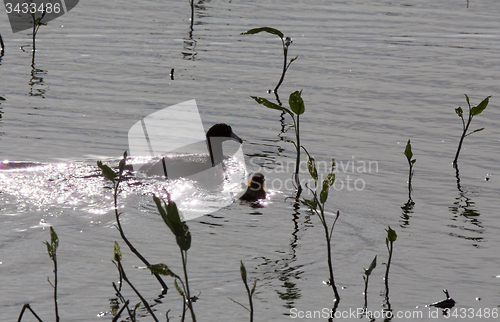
374 74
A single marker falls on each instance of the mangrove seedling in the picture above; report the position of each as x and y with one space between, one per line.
117 261
285 42
250 292
37 23
368 272
473 110
317 205
389 241
52 251
297 108
411 162
180 229
116 178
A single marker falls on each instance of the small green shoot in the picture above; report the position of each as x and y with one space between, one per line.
365 278
52 251
317 205
180 229
389 241
250 292
473 111
37 23
286 42
409 155
116 178
297 108
117 257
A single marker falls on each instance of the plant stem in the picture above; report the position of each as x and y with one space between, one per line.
143 300
250 302
410 176
329 250
297 162
387 271
129 244
285 53
188 295
55 288
27 306
465 127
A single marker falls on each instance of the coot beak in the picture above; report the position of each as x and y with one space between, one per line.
236 138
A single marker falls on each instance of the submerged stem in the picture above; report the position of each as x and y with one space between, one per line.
188 295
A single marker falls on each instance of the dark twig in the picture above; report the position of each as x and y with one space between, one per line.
27 306
143 300
121 310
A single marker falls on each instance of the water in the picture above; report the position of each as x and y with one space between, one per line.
374 74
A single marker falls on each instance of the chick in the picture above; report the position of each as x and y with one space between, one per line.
255 190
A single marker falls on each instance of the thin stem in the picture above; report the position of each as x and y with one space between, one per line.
330 266
249 300
129 244
285 53
387 271
465 127
188 295
117 316
297 162
143 300
410 176
27 306
55 287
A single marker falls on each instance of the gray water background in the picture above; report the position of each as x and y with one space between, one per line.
374 74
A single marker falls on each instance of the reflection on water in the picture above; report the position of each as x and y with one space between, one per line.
407 211
36 83
466 212
80 186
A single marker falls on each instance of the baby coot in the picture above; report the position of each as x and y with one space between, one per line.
255 190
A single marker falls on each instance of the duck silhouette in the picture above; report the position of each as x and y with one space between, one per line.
448 303
255 190
192 165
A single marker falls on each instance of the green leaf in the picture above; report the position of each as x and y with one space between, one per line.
467 99
477 130
54 240
311 166
478 109
408 152
172 218
54 243
327 183
391 235
253 288
117 252
311 203
162 269
107 172
137 305
459 111
177 287
266 29
243 272
296 103
372 266
269 104
50 250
